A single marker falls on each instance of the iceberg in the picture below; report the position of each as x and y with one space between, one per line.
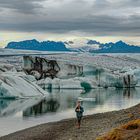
57 83
137 75
118 80
19 86
82 83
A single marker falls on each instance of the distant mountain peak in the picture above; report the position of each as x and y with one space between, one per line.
93 42
120 42
36 45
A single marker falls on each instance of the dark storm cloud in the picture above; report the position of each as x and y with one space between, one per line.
105 17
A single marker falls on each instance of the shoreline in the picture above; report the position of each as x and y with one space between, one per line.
92 126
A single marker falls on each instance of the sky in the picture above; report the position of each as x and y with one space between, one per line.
101 20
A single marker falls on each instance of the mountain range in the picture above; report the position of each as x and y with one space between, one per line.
78 45
36 45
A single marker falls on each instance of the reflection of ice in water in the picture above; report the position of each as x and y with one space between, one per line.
62 100
11 107
44 106
60 105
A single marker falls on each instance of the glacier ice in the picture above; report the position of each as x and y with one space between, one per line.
57 83
118 80
55 74
42 67
18 86
7 67
66 71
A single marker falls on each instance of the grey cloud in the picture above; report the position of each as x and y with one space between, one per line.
90 17
23 6
98 25
130 3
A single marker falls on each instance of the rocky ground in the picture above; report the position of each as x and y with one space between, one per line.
92 126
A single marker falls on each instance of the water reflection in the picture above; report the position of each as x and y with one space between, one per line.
127 92
11 107
63 100
42 107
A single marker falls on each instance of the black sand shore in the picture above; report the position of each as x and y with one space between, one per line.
92 126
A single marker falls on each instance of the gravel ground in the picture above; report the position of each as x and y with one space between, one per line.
92 126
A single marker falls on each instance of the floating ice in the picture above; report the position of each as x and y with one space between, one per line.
13 85
57 83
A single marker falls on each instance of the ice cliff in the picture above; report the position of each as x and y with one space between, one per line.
65 74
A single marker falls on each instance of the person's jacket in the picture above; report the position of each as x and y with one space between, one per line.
79 113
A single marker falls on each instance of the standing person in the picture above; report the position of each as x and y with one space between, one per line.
79 113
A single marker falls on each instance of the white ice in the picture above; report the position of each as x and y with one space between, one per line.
19 85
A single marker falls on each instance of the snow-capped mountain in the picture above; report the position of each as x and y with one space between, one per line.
83 45
93 46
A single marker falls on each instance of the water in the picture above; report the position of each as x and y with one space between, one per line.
16 115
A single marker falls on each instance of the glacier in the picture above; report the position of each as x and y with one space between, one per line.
66 74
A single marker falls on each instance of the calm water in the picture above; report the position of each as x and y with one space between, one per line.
20 114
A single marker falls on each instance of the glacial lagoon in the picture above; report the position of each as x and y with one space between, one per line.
19 114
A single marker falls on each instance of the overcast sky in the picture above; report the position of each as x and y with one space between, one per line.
103 20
